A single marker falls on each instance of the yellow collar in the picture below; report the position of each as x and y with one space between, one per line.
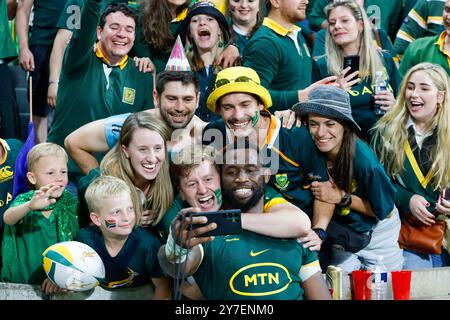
440 43
276 27
122 63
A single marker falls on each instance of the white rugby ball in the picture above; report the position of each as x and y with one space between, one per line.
73 265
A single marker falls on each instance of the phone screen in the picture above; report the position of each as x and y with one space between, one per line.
352 62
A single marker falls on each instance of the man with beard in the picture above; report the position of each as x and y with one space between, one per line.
247 265
176 98
294 161
430 49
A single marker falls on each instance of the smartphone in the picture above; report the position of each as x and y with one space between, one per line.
228 222
352 62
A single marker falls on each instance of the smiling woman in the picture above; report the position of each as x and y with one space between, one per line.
359 187
140 159
412 141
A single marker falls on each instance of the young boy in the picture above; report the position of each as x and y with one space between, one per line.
39 218
129 252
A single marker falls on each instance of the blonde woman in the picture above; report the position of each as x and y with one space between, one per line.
140 159
205 34
412 141
349 33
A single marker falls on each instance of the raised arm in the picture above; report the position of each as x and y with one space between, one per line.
283 220
82 143
56 59
26 58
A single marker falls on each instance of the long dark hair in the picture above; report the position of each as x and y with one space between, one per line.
342 170
155 23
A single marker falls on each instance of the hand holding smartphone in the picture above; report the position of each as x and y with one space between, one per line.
228 222
352 62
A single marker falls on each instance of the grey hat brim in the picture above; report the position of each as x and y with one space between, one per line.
302 108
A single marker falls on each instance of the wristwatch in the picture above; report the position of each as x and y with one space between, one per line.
322 234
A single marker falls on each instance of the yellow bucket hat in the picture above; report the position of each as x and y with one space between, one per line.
235 80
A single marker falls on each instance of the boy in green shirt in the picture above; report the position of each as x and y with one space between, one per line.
39 218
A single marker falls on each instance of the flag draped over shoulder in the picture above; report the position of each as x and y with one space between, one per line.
20 170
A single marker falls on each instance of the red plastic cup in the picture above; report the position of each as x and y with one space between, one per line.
361 290
401 284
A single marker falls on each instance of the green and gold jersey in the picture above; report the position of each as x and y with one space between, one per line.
252 266
11 148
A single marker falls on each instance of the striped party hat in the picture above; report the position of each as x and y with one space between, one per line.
178 60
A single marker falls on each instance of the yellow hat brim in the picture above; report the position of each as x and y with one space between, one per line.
237 87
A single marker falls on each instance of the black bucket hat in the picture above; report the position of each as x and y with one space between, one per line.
208 8
328 101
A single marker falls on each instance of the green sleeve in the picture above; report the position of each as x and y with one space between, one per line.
308 256
317 15
80 47
402 197
319 45
386 43
410 28
257 57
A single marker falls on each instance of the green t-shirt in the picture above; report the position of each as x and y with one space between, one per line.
371 183
46 15
134 265
11 147
7 48
361 94
252 266
85 93
282 67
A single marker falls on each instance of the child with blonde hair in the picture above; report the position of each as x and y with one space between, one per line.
39 218
129 252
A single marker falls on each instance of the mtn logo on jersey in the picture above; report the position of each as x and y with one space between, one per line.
282 181
260 279
6 174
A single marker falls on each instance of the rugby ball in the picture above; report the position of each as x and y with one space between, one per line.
73 265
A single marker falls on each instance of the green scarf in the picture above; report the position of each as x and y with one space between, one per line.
65 209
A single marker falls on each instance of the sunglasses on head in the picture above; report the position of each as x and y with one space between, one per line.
222 82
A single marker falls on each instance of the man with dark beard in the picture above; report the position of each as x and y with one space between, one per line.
248 265
176 97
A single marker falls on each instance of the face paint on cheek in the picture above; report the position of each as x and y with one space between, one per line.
109 224
255 119
218 194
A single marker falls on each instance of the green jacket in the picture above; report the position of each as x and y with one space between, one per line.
424 20
428 49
